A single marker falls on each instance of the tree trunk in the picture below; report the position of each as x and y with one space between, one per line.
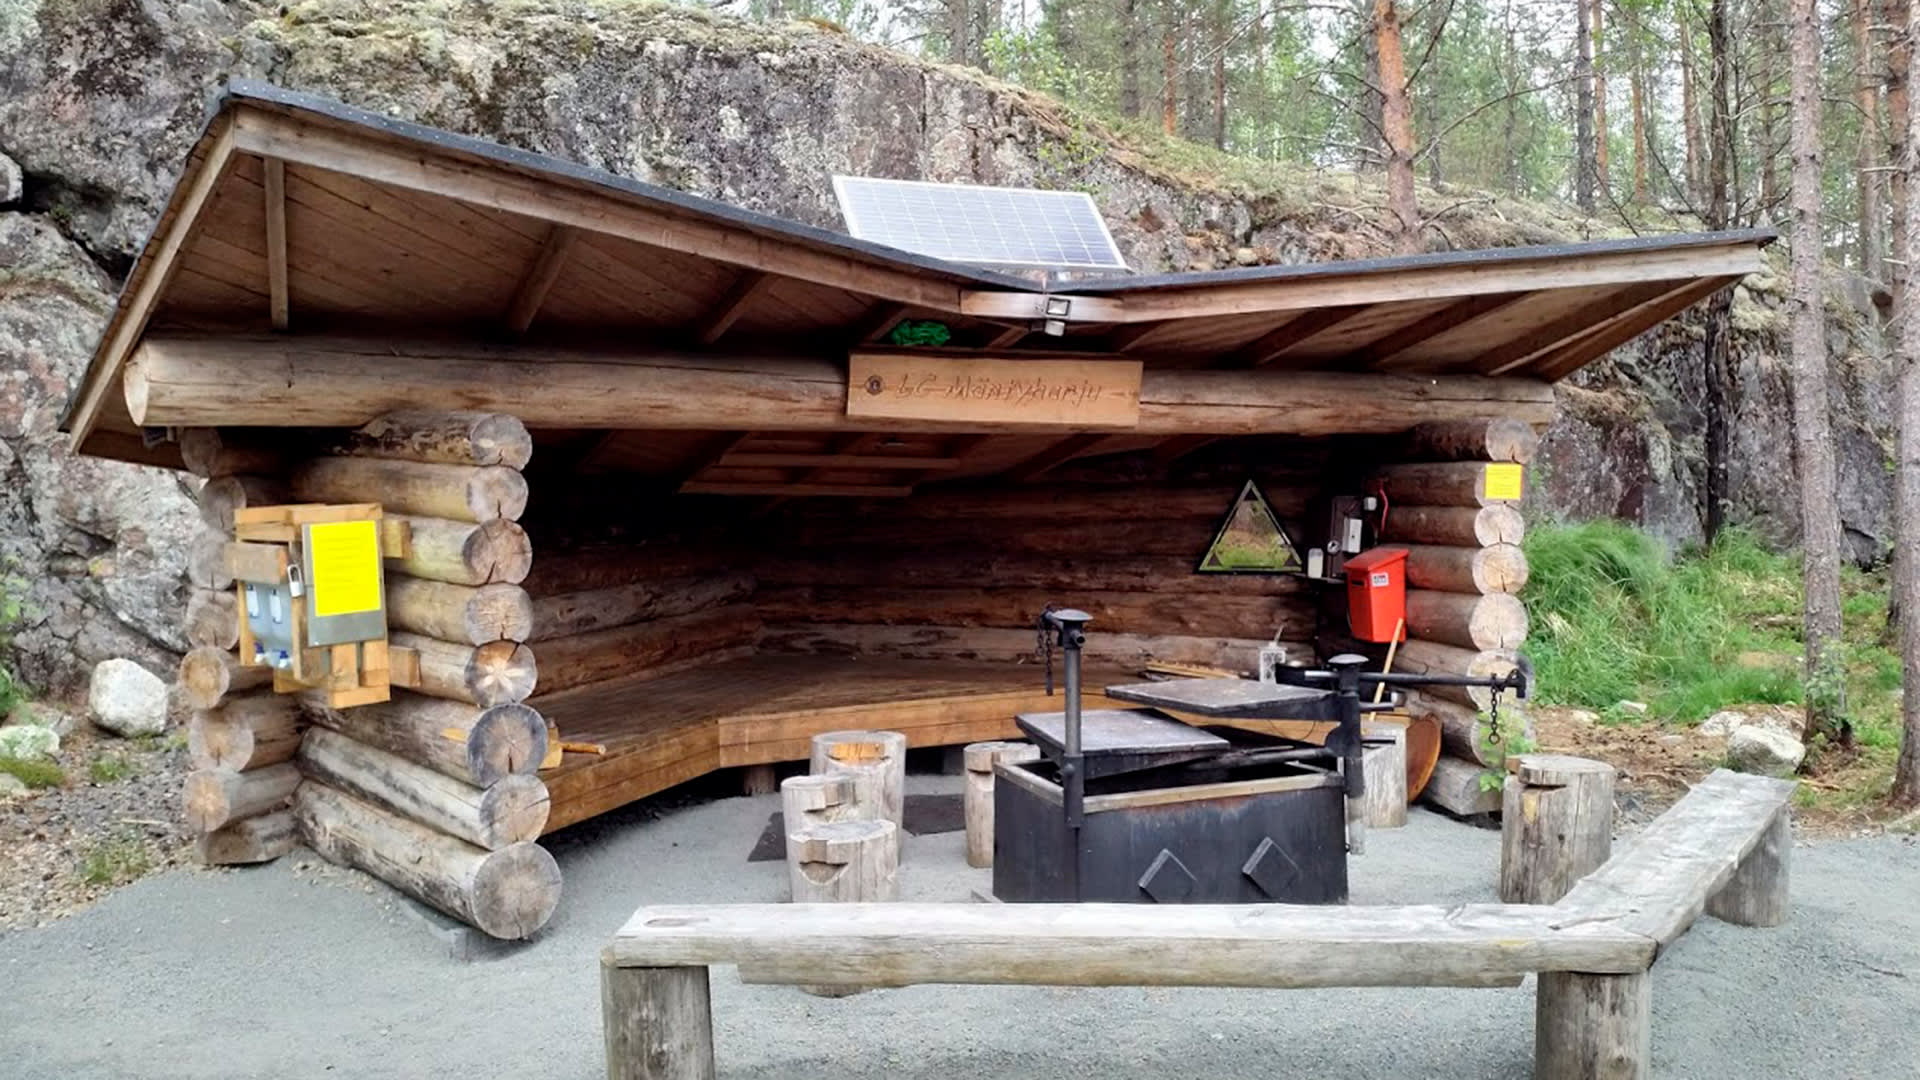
1867 150
1812 424
1584 159
1720 309
1895 13
1169 68
1218 24
1638 88
959 32
1690 111
1396 123
1599 100
1130 58
1906 772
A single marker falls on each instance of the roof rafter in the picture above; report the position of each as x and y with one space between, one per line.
540 278
1417 333
274 183
1295 331
734 304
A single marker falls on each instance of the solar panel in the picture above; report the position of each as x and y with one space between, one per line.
979 226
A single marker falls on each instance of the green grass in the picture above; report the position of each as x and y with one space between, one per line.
115 860
34 774
1614 618
107 768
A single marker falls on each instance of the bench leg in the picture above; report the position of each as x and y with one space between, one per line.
1592 1027
659 1023
1756 895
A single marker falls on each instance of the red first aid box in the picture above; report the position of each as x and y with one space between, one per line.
1377 594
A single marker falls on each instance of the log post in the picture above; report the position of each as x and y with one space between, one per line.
1497 439
1756 895
497 673
477 745
1592 1027
1431 657
511 810
207 561
878 756
248 732
473 493
1452 483
659 1022
1460 526
1492 621
1383 765
1499 568
465 553
1556 825
844 862
214 797
208 675
464 614
821 800
250 840
212 619
447 438
221 496
981 758
509 893
1456 788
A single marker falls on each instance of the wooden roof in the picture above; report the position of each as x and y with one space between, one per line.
301 216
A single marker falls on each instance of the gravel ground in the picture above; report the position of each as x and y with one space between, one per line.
298 969
64 848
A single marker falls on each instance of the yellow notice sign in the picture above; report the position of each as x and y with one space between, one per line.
345 557
1504 481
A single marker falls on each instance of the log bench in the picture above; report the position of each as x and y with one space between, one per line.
1722 849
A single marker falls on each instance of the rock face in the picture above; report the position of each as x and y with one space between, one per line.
99 103
1757 749
127 699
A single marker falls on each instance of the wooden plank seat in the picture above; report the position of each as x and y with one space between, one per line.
765 708
1719 848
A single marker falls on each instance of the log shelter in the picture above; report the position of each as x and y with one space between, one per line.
658 521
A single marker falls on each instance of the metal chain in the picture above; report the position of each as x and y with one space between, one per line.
1043 643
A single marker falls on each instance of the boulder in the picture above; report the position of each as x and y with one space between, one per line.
1788 720
127 699
12 787
1755 749
28 742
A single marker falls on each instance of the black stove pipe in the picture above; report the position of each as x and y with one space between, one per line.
1070 628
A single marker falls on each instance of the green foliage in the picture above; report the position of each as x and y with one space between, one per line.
1615 618
109 768
115 860
12 693
1496 749
34 774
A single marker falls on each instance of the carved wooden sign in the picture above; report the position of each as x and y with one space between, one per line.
1051 393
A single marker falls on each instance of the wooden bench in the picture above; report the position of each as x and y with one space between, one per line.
1722 849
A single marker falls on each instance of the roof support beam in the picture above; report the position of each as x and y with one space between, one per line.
275 185
1623 328
151 274
1524 349
1295 331
1009 337
735 304
540 278
1452 317
1551 269
1180 446
875 324
200 381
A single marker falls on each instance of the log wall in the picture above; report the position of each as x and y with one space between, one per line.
433 791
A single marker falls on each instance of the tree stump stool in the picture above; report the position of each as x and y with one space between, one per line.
981 757
1383 768
877 758
820 800
1556 825
843 862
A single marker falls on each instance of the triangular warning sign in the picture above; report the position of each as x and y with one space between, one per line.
1250 540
